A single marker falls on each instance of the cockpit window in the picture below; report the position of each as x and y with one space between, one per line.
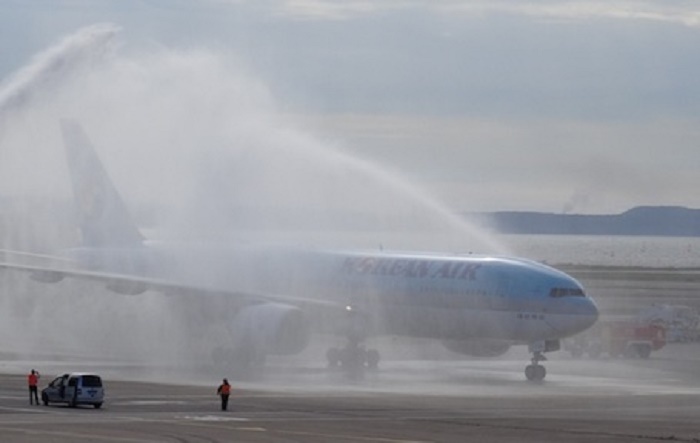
566 292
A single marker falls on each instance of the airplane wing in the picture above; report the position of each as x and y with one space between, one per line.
104 222
35 256
134 285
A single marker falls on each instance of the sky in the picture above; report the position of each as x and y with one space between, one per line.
560 106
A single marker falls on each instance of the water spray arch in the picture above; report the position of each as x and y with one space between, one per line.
197 146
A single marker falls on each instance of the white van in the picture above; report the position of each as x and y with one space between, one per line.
77 388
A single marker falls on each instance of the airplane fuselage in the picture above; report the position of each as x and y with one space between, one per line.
279 291
448 297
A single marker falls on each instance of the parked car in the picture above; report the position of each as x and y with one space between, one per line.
74 389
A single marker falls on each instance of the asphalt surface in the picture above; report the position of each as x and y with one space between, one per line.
408 401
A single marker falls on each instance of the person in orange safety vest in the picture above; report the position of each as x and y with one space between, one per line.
224 391
33 382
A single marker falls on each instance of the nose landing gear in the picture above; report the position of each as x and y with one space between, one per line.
535 371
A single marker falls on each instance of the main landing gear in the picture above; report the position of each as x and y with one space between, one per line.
353 357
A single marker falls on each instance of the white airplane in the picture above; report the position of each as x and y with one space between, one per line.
474 305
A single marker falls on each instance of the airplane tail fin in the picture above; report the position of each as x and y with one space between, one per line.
102 216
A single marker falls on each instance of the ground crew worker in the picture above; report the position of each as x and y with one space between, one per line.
224 391
33 381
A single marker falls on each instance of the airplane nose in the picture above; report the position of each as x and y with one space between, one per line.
579 314
588 313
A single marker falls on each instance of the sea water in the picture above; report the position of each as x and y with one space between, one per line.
658 252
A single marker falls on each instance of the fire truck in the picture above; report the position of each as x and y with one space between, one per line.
618 338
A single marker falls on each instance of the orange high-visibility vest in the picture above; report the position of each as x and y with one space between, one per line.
225 390
32 379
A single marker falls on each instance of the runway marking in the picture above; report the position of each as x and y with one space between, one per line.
211 425
214 418
149 403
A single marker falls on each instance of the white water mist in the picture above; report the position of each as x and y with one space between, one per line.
198 149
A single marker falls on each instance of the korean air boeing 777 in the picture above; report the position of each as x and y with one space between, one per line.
474 305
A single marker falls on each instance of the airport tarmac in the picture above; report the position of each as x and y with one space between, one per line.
406 401
439 397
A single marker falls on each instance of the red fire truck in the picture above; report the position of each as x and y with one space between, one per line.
616 338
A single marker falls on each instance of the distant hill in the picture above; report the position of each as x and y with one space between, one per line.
643 220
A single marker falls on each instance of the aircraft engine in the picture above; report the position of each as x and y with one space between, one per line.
46 276
273 328
127 287
478 348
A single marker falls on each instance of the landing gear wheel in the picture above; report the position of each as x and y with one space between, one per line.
535 372
353 358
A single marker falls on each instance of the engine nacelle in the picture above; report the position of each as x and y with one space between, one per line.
127 287
47 276
272 328
478 348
